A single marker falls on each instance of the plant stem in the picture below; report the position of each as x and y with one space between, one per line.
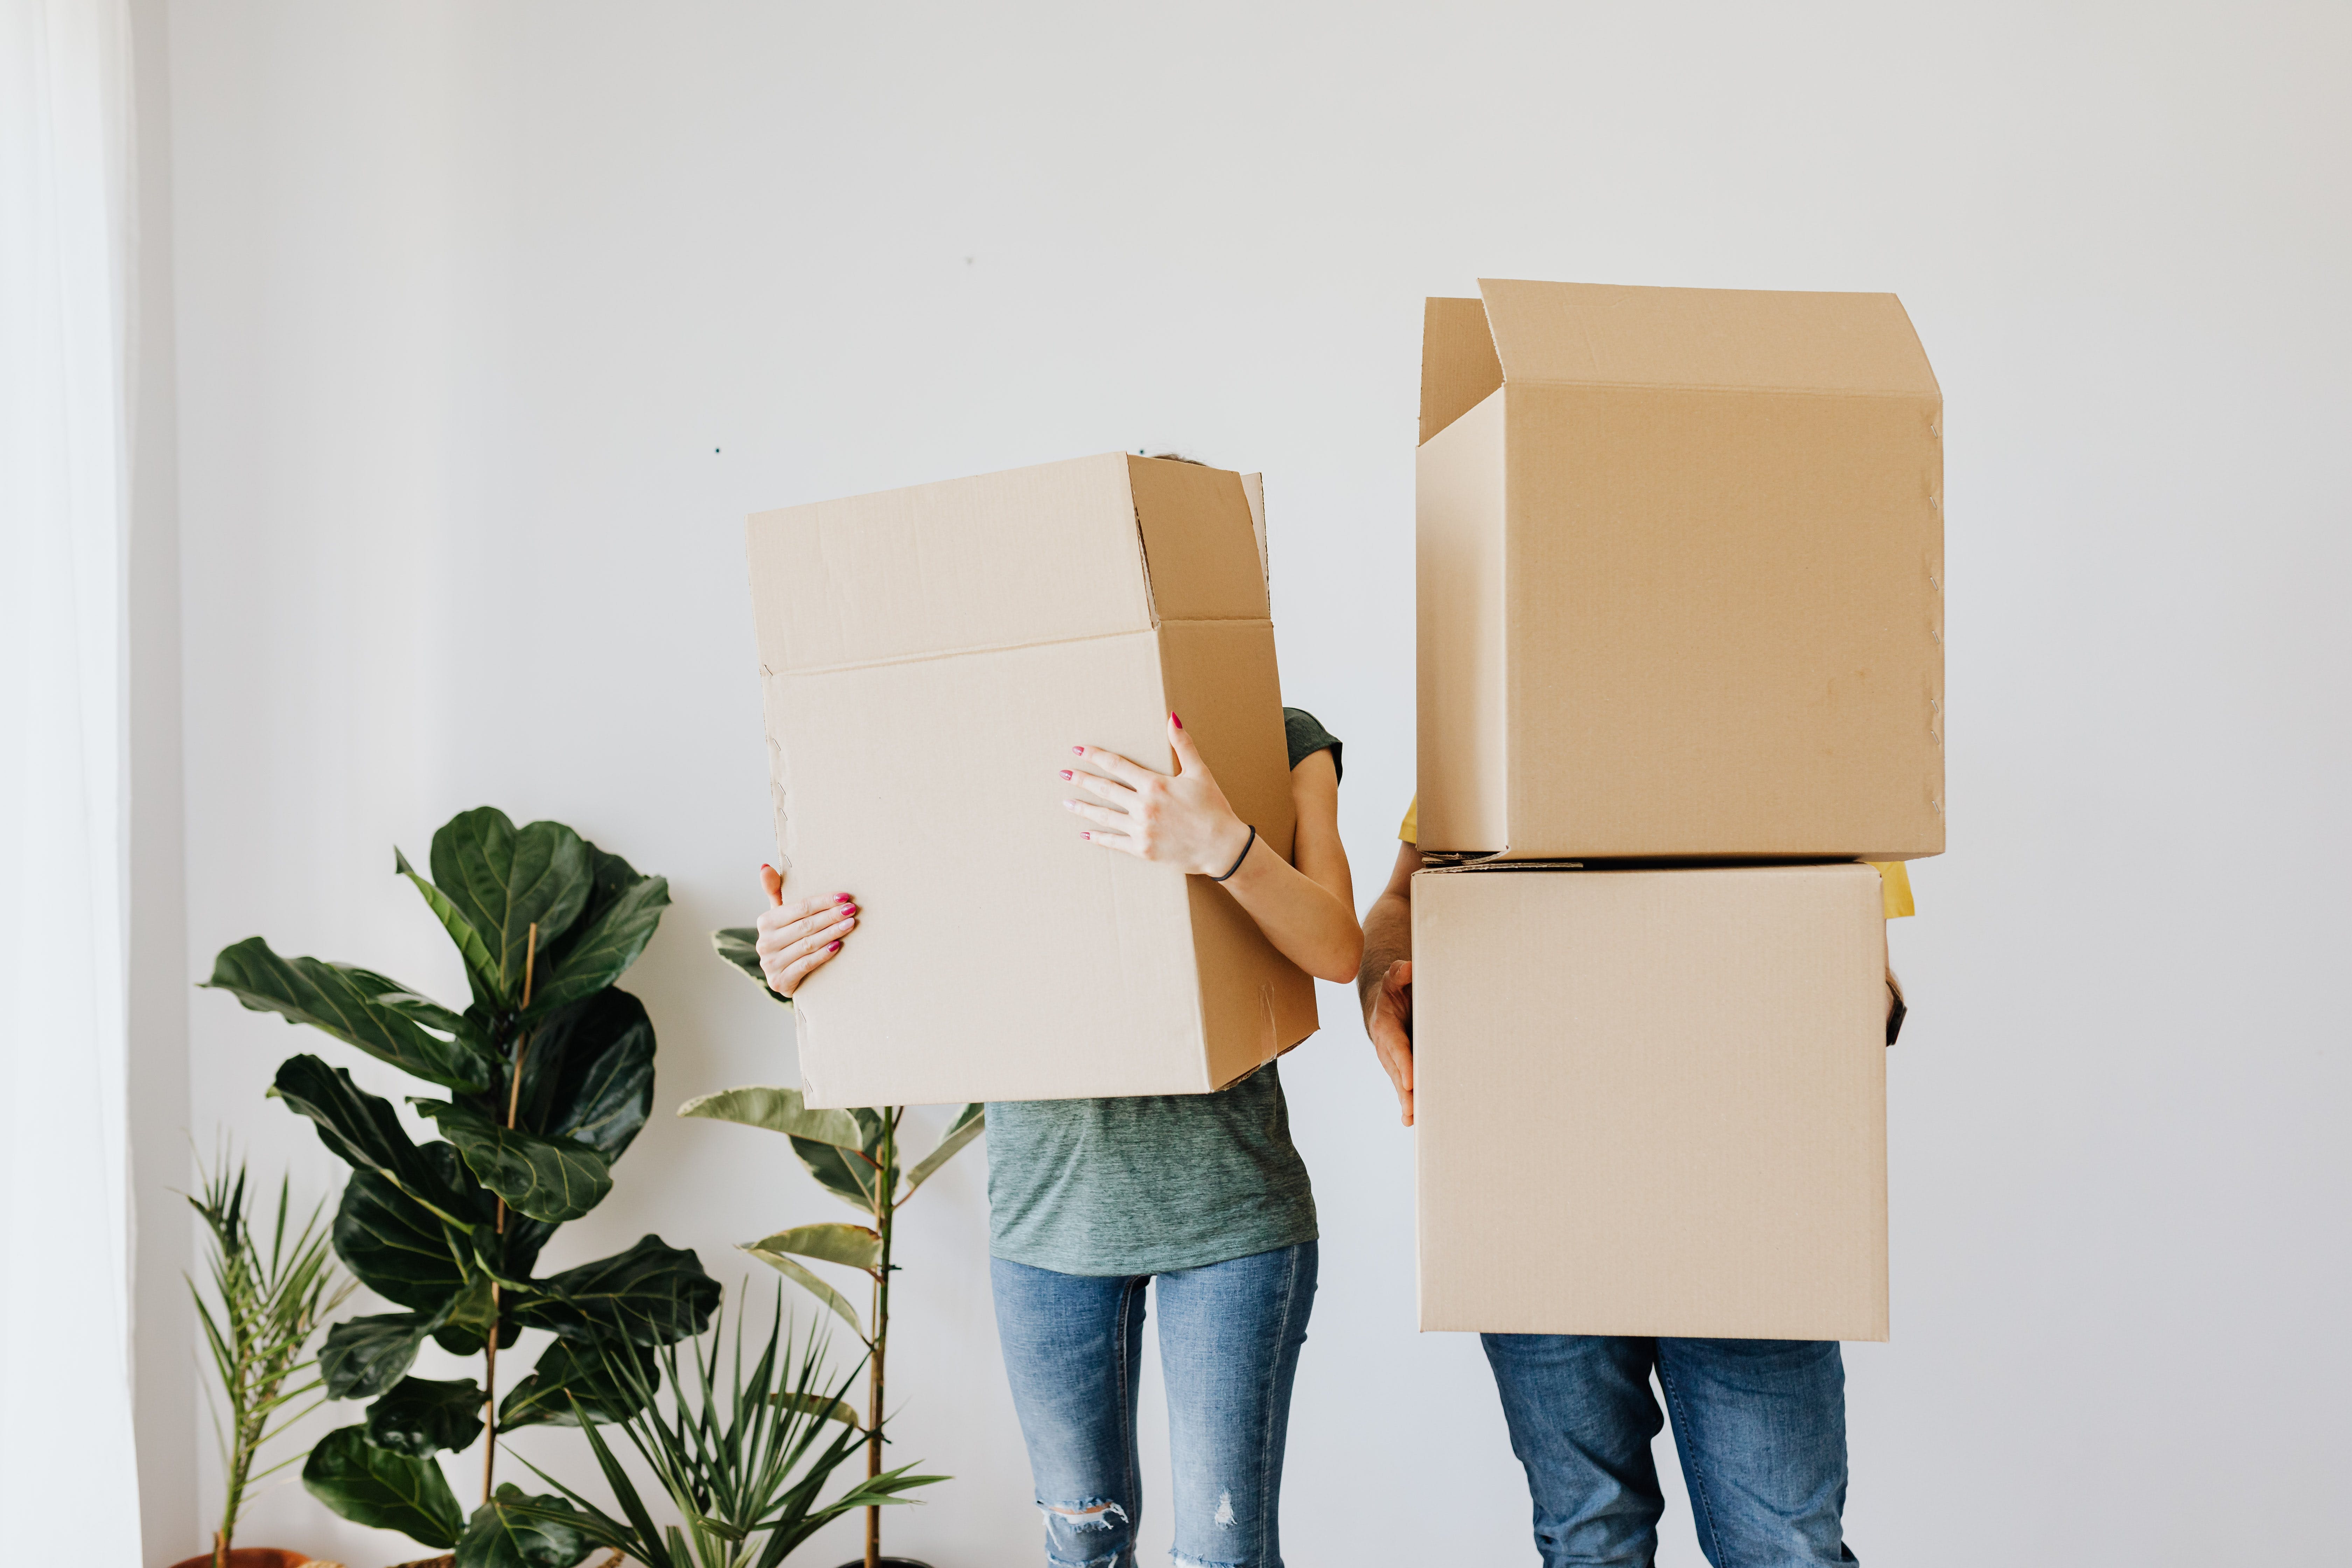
885 1209
491 1348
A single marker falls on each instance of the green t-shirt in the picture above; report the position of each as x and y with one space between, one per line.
1149 1184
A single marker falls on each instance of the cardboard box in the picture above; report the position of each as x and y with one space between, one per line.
1681 576
1652 1102
927 659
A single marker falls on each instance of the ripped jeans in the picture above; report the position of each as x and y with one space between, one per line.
1229 1339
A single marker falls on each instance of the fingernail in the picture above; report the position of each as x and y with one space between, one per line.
765 866
841 897
1066 773
1079 750
832 947
1175 721
1085 836
851 912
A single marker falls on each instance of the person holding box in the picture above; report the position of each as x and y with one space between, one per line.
1090 1201
1760 1424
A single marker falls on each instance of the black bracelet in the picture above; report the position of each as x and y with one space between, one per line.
1239 858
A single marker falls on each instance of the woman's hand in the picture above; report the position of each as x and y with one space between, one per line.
799 937
1388 1021
1180 820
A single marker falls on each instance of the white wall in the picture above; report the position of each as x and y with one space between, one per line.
495 319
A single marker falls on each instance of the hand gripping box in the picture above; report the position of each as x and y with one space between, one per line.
1680 576
1652 1102
927 658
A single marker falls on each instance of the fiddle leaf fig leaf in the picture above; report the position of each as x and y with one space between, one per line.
360 1007
363 1357
968 1125
465 1324
481 964
588 1073
574 1376
382 1488
812 1285
546 1178
779 1111
653 1294
851 1244
516 1530
363 1132
396 1246
504 880
422 1416
623 907
740 945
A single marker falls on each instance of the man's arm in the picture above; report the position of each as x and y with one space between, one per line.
1384 984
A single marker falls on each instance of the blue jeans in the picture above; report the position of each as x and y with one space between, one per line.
1760 1424
1229 1339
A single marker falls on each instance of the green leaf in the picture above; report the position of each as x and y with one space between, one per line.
779 1111
385 1490
546 1178
363 1357
588 1073
421 1417
961 1132
569 1371
396 1246
812 1285
481 964
624 908
842 1171
362 1129
512 1530
739 945
653 1294
821 1406
380 1016
465 1324
503 879
851 1244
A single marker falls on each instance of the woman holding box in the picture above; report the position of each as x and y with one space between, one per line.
1091 1200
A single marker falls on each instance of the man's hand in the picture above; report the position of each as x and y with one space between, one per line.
1389 1024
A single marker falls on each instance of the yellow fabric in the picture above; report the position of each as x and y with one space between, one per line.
1894 876
1894 880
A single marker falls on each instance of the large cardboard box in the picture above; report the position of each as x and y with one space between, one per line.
1681 575
927 659
1652 1102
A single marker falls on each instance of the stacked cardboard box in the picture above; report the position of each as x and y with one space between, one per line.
1681 668
928 657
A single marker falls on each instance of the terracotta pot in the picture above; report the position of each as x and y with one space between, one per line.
253 1557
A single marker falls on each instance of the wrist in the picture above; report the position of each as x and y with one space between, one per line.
1228 847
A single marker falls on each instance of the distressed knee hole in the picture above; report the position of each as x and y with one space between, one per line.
1092 1513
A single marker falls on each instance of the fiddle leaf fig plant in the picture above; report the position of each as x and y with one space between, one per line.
546 1076
856 1155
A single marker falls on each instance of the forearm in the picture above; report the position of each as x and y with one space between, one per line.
1304 919
1388 937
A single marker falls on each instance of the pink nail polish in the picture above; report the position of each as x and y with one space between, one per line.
1066 773
1085 836
841 897
832 947
1079 750
1175 721
851 912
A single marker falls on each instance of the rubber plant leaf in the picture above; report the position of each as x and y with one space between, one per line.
623 907
851 1244
815 1287
547 1178
505 879
363 1357
359 1007
653 1294
572 1378
363 1132
779 1111
512 1530
481 964
740 945
966 1127
421 1417
588 1073
384 1489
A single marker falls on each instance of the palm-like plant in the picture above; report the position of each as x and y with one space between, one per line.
270 1302
855 1155
743 1460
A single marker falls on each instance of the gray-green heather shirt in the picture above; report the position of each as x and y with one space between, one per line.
1149 1184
